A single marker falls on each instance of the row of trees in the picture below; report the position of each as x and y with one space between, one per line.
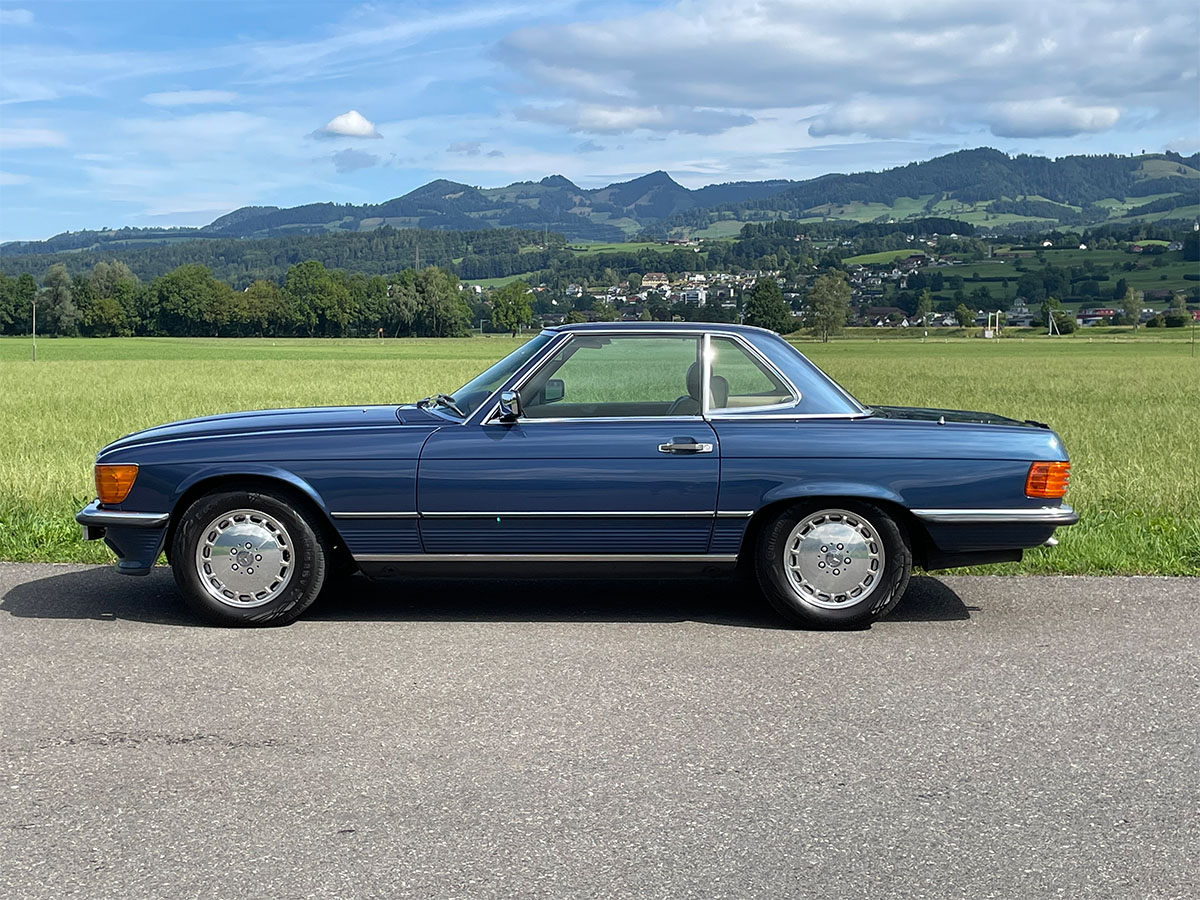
189 301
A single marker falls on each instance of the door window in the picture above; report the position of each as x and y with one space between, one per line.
594 377
740 381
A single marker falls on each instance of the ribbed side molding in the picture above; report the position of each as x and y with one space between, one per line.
1046 515
375 515
551 514
545 557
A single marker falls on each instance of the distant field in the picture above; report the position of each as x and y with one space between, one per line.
1125 407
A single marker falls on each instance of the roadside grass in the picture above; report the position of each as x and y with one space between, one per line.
1128 410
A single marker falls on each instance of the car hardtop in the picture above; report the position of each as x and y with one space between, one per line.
664 327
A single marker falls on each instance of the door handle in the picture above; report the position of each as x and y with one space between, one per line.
685 445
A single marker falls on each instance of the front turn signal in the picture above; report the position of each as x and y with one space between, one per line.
114 482
1047 480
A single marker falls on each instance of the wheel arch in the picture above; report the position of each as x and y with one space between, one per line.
890 504
275 480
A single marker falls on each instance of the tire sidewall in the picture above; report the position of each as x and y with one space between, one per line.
308 550
769 563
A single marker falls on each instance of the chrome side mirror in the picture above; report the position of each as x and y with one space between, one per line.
510 406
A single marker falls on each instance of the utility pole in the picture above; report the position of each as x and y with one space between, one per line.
35 329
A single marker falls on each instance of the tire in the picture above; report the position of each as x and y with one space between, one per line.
799 563
249 558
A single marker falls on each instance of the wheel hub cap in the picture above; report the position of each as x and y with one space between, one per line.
834 559
244 558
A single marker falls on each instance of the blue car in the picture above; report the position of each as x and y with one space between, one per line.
638 448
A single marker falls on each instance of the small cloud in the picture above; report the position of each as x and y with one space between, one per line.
13 138
875 118
10 178
351 124
589 146
189 98
495 154
16 17
609 119
466 148
351 160
1051 117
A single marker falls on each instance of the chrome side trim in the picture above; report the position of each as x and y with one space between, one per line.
93 515
561 514
375 515
1046 515
753 416
735 514
546 557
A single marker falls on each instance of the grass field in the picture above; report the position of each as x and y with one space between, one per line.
1127 409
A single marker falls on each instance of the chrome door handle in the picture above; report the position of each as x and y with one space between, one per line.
685 447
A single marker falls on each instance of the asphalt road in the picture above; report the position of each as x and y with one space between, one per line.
994 737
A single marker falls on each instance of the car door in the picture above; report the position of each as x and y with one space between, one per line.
610 456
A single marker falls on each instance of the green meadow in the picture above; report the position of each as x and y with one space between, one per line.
1128 410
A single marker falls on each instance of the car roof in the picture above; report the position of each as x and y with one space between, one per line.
665 327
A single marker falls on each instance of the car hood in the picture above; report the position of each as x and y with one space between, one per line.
929 414
267 420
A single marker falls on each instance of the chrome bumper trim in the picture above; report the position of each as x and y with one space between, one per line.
546 557
92 515
1046 515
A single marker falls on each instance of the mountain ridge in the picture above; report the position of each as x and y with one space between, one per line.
981 186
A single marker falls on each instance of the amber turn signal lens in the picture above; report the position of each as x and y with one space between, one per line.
113 482
1047 480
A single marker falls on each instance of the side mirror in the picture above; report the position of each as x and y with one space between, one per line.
554 390
510 406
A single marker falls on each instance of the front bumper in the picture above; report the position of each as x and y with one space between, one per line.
136 537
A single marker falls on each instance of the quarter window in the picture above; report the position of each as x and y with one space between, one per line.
740 381
599 376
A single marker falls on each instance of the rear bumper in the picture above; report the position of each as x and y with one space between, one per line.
972 537
136 537
1052 516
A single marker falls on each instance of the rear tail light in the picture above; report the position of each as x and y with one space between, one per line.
1047 480
114 482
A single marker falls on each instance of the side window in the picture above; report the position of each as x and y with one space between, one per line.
740 381
593 377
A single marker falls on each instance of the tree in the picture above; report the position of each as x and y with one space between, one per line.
766 308
1131 306
605 311
59 310
511 307
441 310
965 315
574 317
924 306
321 302
828 305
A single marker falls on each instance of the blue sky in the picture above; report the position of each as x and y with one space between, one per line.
172 113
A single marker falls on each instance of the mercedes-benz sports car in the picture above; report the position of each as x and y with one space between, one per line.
638 447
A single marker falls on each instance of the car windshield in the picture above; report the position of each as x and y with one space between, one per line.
468 397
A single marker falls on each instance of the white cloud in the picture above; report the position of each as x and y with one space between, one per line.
351 160
10 178
16 138
1052 117
16 17
467 148
352 124
878 118
598 118
873 67
189 98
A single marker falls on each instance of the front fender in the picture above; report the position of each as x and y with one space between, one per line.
244 470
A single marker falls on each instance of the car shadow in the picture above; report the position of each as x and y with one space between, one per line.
101 594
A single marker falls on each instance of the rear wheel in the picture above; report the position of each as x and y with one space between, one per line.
248 558
833 563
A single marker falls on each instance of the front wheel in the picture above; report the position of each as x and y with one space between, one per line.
248 558
841 564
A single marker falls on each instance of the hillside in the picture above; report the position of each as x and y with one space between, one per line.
984 187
